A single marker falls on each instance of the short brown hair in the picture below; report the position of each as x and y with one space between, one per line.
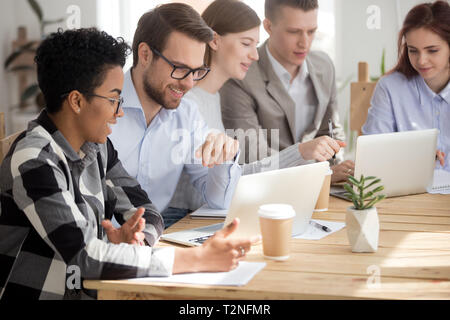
271 6
155 27
432 16
229 16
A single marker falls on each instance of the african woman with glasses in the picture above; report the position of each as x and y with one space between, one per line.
62 182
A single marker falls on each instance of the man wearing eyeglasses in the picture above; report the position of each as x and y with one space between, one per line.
160 133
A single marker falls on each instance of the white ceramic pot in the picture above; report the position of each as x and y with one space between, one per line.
363 228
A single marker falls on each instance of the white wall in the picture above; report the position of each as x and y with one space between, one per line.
355 42
16 13
7 35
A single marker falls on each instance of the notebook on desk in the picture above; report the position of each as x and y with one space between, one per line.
441 182
297 186
404 161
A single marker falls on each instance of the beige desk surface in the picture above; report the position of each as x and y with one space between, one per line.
412 261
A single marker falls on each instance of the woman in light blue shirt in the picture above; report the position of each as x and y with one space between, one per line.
415 95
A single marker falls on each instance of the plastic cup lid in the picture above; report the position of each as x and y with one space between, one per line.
276 211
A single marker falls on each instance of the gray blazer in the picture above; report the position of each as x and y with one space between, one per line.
261 102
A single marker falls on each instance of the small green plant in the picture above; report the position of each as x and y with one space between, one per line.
382 67
362 198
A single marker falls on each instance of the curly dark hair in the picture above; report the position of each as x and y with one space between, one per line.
76 60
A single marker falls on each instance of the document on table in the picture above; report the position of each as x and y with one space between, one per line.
314 233
204 212
441 182
237 277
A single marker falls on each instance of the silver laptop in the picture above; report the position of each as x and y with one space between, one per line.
297 186
404 161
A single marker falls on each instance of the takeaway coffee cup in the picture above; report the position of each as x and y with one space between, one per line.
276 227
324 195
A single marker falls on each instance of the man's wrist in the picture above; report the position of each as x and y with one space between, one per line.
188 260
301 150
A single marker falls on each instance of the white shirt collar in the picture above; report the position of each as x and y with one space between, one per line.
424 89
131 98
445 93
283 74
129 94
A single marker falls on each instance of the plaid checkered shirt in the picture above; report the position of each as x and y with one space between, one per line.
52 203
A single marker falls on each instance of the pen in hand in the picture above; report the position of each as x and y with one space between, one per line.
330 132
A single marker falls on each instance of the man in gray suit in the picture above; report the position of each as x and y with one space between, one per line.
290 89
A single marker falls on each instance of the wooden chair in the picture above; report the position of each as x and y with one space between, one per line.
360 95
6 143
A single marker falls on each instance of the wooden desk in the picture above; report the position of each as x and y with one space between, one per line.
412 262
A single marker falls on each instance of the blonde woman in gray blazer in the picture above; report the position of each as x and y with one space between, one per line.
289 89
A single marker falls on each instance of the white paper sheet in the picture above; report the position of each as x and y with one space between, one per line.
441 182
314 233
237 277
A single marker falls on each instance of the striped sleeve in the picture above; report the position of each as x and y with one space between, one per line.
130 196
41 190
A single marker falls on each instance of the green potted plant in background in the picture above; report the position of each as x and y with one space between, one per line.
14 63
382 67
362 223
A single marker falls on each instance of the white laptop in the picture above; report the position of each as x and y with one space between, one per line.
297 186
404 161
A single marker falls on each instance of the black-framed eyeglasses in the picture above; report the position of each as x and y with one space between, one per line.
179 72
113 101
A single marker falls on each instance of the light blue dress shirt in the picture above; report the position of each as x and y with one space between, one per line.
156 155
399 104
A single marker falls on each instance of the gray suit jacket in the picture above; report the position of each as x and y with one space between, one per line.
261 102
